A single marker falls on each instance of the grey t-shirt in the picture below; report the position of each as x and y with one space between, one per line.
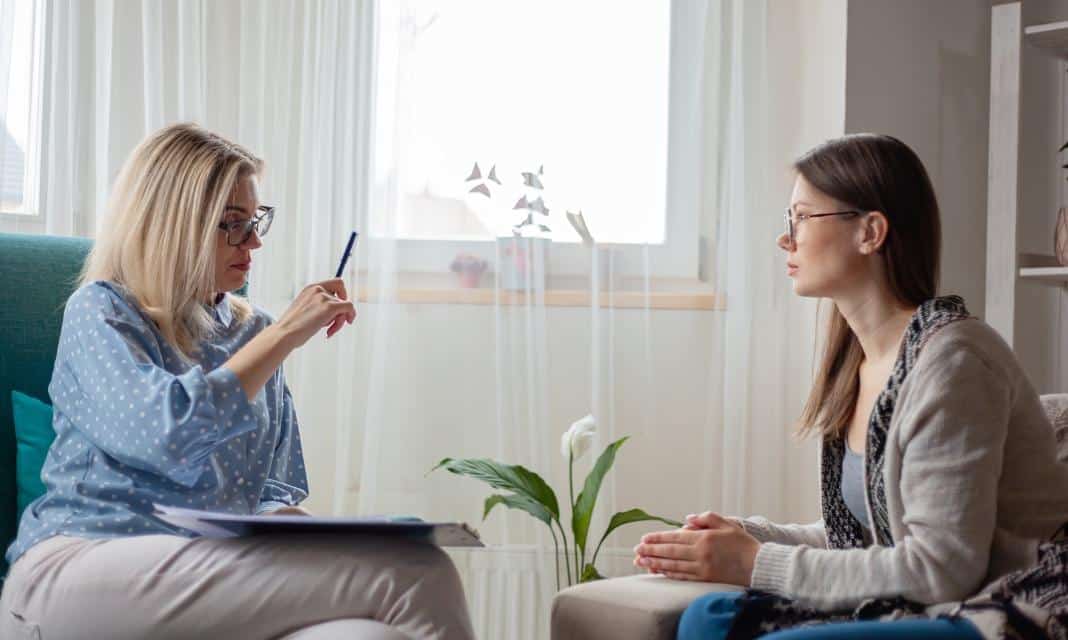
853 486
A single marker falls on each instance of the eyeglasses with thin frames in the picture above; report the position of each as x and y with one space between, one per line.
793 219
239 231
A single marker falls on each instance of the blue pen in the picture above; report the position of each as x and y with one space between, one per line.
345 256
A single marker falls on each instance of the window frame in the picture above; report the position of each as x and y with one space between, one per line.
32 215
678 256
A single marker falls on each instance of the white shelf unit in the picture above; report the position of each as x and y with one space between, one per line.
1043 269
1053 37
1027 293
1051 275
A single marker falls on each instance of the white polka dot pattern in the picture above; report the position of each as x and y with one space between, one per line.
137 424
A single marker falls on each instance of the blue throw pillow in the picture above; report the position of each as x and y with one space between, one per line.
33 436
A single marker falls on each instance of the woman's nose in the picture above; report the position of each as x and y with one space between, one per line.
784 241
253 241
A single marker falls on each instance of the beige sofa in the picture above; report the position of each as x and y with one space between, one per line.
648 607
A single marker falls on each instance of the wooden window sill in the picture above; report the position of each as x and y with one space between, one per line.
666 294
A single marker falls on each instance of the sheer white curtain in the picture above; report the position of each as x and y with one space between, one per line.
286 79
706 396
290 80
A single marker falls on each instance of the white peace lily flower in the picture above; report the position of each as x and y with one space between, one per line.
577 440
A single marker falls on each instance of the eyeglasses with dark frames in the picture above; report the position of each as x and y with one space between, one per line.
239 231
793 219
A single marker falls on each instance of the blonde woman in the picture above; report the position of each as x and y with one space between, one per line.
169 389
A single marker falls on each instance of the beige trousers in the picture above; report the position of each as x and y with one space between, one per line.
298 587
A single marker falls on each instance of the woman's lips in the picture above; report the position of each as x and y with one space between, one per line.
791 269
242 266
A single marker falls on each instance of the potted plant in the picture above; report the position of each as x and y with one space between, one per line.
469 268
528 492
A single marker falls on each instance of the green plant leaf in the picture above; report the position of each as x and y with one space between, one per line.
589 574
629 517
587 499
636 515
522 503
514 478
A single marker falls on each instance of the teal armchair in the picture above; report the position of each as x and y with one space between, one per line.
37 275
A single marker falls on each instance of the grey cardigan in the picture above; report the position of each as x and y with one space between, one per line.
972 486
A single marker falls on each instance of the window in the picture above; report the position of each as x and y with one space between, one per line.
578 96
19 107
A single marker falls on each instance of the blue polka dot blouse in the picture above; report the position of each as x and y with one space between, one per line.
136 424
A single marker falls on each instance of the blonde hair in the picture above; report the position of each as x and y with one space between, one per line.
160 239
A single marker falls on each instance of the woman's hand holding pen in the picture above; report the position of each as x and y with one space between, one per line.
320 304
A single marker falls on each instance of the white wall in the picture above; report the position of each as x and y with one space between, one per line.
920 71
806 75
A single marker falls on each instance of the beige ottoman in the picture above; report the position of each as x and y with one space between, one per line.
642 607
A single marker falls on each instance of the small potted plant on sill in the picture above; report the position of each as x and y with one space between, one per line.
470 269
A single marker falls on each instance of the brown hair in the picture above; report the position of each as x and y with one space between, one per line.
871 172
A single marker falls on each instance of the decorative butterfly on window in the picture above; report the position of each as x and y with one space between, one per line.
481 185
532 203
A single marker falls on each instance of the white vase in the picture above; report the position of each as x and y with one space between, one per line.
522 263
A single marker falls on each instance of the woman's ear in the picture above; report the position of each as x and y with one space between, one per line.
874 227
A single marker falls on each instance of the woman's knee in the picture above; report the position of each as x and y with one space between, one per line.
436 571
348 629
708 617
409 574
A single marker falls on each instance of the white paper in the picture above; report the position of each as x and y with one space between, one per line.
188 519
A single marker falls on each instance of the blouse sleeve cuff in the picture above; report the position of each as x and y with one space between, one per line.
275 491
224 413
268 506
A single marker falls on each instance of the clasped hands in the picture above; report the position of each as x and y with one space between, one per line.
708 548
